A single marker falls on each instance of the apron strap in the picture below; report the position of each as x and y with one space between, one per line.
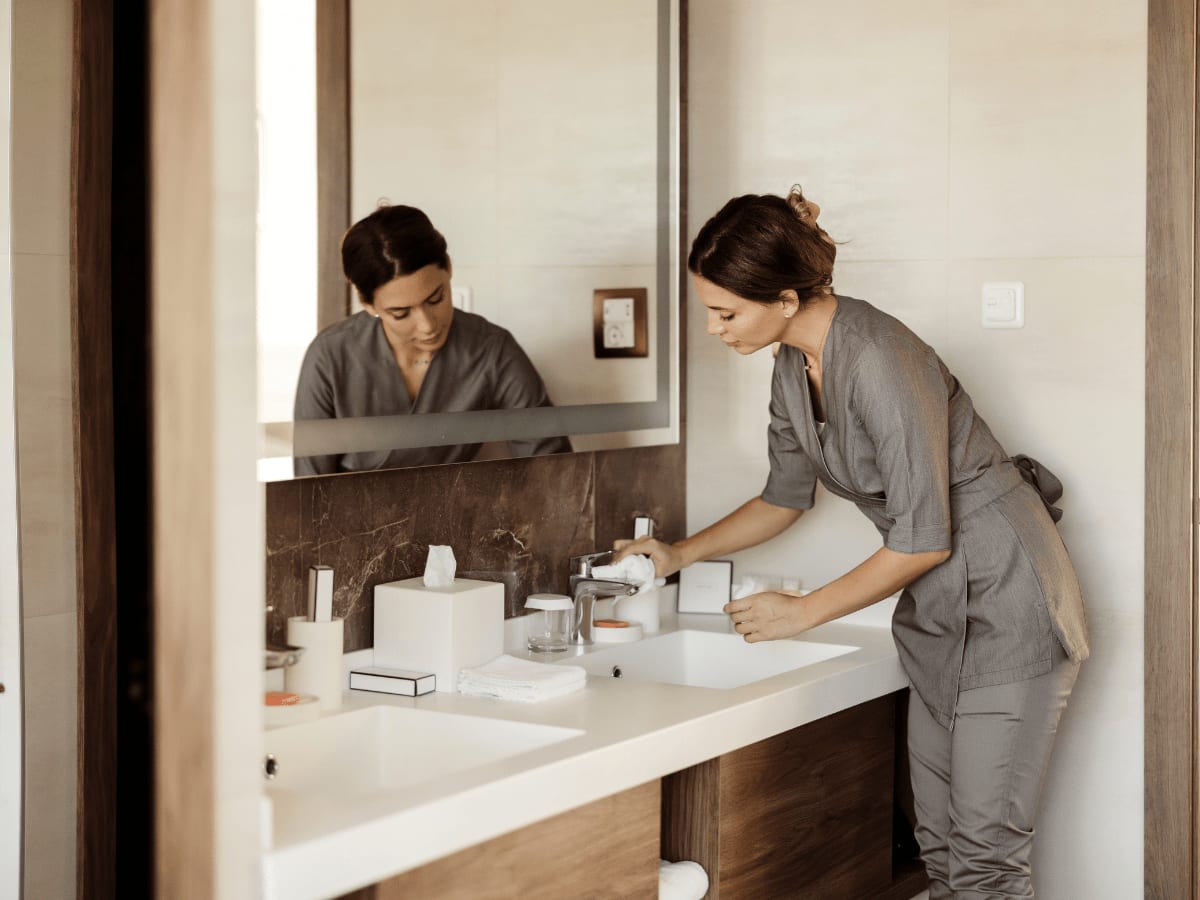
1045 482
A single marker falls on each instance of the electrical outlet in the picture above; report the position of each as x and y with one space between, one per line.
619 321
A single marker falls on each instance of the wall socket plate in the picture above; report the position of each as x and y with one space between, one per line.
619 322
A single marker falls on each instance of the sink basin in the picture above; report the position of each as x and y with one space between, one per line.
387 748
706 659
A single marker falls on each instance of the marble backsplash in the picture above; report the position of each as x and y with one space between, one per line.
515 521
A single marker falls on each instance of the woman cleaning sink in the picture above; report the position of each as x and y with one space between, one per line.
990 625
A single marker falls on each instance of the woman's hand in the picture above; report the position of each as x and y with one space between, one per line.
667 558
768 616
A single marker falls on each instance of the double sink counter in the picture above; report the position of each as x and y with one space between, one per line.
390 783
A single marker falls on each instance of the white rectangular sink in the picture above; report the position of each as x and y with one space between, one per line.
387 748
705 659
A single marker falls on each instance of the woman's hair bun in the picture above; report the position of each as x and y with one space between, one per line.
799 205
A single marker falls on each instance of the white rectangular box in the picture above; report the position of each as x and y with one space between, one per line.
438 629
705 587
392 681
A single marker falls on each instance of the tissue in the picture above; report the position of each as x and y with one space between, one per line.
440 566
636 569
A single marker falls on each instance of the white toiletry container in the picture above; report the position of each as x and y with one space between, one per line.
548 622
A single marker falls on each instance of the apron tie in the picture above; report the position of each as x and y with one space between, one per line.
1045 482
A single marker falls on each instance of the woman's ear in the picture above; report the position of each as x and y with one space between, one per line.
789 303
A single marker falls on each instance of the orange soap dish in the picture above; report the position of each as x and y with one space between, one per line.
615 631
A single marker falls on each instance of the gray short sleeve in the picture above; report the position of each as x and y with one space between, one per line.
900 394
792 482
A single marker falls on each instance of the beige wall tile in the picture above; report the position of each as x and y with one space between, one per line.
1067 389
45 432
548 309
1047 128
848 101
423 115
41 125
50 757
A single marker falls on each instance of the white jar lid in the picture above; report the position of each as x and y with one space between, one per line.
548 601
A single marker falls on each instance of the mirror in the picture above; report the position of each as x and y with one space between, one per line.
541 139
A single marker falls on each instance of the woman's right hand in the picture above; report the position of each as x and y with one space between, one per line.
668 559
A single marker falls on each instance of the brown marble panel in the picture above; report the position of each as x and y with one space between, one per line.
515 521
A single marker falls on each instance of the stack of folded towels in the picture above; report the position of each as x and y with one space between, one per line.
509 678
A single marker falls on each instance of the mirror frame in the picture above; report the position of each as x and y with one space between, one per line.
335 436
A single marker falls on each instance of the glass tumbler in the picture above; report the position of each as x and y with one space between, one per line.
548 622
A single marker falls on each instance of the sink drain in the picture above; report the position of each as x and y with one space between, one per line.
616 673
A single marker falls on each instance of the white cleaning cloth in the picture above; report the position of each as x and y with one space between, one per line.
636 569
509 678
685 880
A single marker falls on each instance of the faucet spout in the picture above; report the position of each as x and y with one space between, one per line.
586 591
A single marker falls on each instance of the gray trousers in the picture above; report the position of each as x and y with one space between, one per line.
976 788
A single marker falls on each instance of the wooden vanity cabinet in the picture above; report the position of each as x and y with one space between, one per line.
608 848
805 814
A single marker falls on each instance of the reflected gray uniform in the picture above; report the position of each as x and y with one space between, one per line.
992 638
349 371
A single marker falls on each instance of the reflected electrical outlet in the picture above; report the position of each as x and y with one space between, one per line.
619 322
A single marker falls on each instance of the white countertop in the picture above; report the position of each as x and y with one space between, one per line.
633 732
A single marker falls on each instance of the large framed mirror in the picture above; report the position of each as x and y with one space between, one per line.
542 140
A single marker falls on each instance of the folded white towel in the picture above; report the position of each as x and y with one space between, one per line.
685 880
509 678
636 569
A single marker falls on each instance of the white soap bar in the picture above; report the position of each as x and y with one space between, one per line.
392 681
704 587
438 629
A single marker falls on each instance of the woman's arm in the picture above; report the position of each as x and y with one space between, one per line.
777 614
752 523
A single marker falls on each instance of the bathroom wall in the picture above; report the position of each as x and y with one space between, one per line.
951 143
41 146
515 521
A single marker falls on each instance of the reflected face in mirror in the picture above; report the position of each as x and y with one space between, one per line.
415 312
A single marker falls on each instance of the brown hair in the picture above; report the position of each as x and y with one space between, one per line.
390 242
759 245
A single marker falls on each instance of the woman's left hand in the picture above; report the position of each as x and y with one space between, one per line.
768 616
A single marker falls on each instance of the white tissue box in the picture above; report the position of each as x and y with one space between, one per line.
438 629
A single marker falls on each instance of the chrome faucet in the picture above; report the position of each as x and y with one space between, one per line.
586 590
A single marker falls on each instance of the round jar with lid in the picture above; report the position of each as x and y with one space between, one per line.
548 622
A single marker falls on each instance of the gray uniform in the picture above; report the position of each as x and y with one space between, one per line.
902 440
349 371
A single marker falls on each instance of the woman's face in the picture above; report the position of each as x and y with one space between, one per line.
744 325
415 310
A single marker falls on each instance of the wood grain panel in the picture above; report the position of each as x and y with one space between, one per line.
606 849
808 813
1170 626
181 227
333 157
95 501
691 817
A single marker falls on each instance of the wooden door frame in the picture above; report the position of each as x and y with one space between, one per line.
1171 770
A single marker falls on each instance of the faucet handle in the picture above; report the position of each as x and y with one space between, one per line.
582 565
644 526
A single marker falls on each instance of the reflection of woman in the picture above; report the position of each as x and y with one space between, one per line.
990 625
409 351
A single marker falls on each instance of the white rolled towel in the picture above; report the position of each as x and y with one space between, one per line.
684 880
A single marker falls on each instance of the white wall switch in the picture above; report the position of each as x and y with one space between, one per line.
461 297
1004 304
620 323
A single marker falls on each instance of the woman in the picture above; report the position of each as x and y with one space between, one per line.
409 351
990 625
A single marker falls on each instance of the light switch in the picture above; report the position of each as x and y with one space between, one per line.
1004 304
460 297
